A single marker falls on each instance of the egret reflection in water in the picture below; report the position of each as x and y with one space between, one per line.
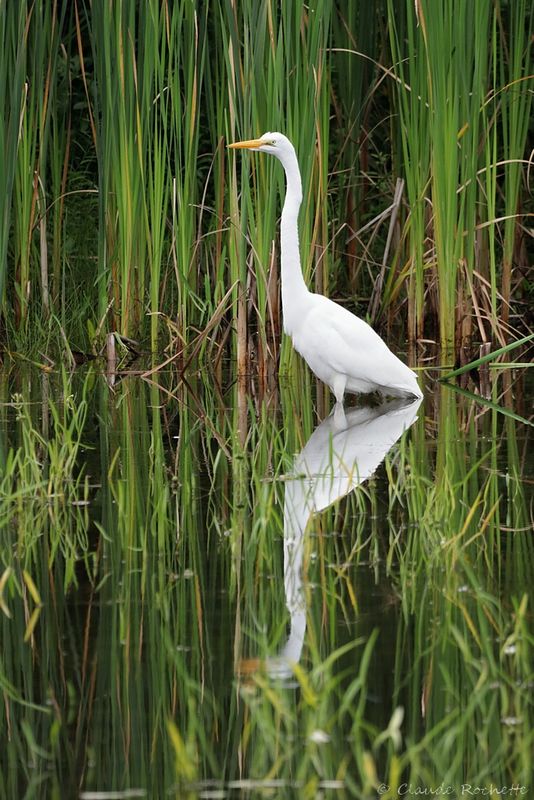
342 452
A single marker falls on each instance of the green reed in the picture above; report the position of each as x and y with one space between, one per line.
354 30
462 652
148 65
12 97
414 123
33 190
125 88
516 81
441 91
41 480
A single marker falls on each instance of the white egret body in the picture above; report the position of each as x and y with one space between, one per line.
342 350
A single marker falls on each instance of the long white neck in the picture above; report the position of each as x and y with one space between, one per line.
294 290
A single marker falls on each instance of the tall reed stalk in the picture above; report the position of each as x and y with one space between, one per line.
516 76
115 31
12 100
32 188
407 46
441 92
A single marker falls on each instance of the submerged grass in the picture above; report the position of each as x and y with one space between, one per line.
41 480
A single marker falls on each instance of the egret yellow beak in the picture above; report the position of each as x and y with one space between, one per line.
249 144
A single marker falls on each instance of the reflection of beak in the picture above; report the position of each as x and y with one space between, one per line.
249 144
248 666
247 669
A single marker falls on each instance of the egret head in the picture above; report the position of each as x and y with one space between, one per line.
274 143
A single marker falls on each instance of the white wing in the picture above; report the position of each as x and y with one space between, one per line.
331 335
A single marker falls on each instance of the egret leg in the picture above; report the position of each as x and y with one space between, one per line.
340 420
339 384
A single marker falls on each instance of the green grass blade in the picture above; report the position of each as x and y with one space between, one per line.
488 357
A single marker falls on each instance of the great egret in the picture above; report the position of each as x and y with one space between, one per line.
342 350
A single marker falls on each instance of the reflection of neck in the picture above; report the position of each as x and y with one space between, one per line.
295 518
292 649
294 290
296 515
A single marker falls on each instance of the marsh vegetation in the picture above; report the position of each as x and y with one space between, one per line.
208 587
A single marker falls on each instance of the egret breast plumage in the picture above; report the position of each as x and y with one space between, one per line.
341 349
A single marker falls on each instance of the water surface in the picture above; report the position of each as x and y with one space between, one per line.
210 592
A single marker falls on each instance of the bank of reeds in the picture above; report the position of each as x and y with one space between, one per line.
371 97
